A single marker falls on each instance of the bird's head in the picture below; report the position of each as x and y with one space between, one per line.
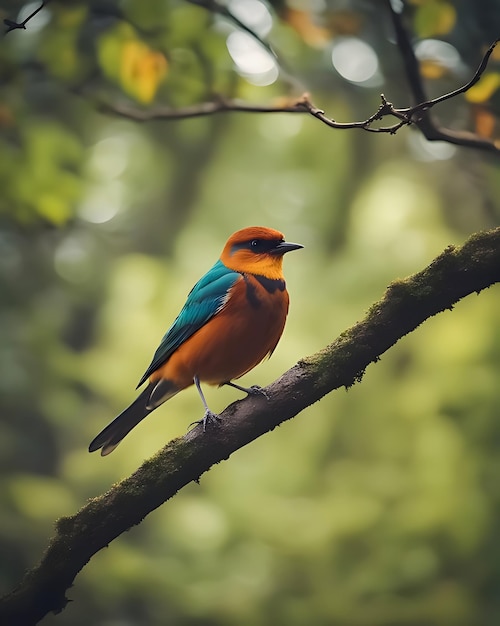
257 250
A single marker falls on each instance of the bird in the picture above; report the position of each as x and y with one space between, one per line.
233 318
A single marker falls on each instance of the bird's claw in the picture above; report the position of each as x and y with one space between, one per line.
255 390
207 418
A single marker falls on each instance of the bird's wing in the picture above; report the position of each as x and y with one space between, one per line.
205 299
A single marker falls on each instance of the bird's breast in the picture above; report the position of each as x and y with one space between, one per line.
237 338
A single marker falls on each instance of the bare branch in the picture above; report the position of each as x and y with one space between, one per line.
411 64
406 304
467 86
11 25
219 105
417 115
224 105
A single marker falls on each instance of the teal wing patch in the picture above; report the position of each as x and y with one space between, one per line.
205 299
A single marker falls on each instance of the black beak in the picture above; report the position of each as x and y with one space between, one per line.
285 246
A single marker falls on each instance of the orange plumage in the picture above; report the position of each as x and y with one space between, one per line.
233 318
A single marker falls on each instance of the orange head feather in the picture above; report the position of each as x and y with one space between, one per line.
257 250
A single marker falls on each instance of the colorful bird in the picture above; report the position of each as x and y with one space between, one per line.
233 318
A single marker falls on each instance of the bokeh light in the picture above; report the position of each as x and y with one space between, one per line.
38 21
253 14
252 61
439 51
425 150
356 61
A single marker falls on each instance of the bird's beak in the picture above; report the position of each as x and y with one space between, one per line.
285 246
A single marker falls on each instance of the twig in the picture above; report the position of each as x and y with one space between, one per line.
424 121
417 114
211 107
406 304
412 66
11 25
214 7
467 86
225 105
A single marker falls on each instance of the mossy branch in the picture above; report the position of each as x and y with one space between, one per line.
454 274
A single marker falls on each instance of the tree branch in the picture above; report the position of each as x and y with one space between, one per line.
410 61
454 274
420 113
11 25
417 114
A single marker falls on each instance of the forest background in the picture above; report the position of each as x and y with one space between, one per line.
379 506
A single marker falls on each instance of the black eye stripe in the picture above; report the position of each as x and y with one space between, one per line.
263 245
258 246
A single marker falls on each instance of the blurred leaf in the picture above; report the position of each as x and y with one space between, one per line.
345 22
432 70
304 24
132 63
495 55
110 46
484 89
142 70
434 17
485 121
59 52
53 208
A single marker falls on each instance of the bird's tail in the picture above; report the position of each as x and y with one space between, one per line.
111 436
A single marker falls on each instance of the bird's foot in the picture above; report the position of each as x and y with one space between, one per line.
207 418
254 390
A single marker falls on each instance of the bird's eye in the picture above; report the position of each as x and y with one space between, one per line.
254 243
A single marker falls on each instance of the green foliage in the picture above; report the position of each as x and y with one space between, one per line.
377 506
434 18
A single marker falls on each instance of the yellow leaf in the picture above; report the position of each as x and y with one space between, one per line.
434 18
484 89
110 46
142 70
495 55
432 70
